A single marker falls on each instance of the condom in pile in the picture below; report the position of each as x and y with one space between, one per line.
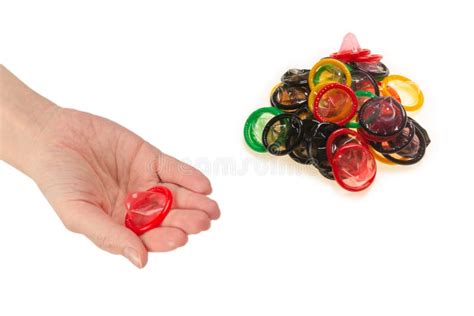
342 116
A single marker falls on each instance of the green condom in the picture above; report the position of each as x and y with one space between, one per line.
253 129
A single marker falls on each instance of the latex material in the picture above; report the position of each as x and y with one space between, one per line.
363 96
389 92
354 167
312 101
274 88
397 143
147 210
374 58
350 44
333 71
377 70
317 148
335 103
289 98
253 129
353 124
300 153
381 118
363 81
314 93
379 157
295 77
282 134
304 114
351 51
412 153
411 96
340 138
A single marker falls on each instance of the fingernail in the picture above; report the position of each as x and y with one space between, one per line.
132 255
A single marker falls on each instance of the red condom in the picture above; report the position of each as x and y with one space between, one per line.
335 103
147 210
354 167
382 118
340 138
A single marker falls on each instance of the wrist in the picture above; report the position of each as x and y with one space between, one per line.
24 114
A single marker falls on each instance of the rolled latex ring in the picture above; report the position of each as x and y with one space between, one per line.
314 92
282 134
412 153
332 62
274 88
142 214
423 131
381 118
331 107
377 70
400 83
374 58
363 81
304 114
352 124
295 77
363 93
335 140
379 157
350 55
253 129
300 153
354 172
398 142
317 148
363 96
290 98
389 92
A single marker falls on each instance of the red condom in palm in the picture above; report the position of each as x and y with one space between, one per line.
147 210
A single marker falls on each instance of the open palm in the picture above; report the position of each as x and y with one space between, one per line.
86 165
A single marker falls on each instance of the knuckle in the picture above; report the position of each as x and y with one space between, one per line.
70 224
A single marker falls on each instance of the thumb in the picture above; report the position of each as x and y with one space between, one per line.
91 221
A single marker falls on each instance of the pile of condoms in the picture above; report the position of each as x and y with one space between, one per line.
342 116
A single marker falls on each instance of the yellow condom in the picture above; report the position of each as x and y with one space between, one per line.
410 94
324 77
378 156
314 92
274 88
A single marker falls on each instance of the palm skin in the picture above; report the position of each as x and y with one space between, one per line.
85 165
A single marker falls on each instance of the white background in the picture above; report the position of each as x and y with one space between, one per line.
185 75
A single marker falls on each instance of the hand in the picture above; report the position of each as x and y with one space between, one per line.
85 165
